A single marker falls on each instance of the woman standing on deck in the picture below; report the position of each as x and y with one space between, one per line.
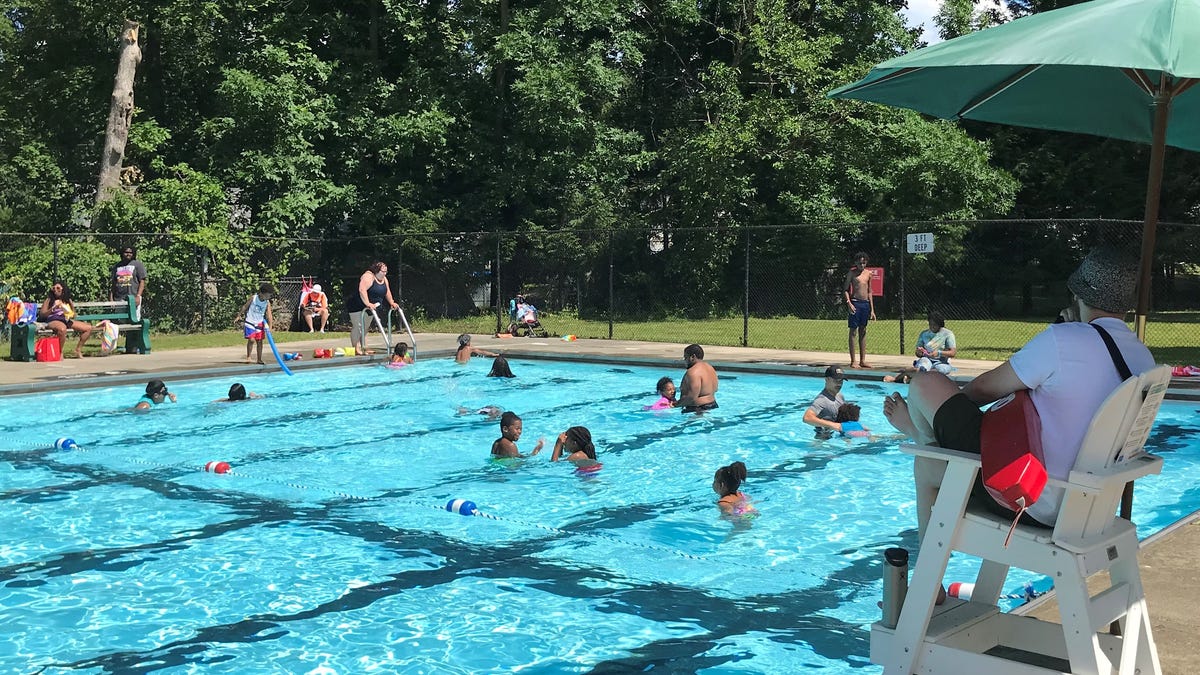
372 291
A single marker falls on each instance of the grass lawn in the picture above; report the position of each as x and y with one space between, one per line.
1174 342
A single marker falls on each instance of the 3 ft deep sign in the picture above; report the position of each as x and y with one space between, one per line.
920 243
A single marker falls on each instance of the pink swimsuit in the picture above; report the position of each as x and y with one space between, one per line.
662 403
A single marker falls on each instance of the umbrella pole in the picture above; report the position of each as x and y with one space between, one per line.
1158 148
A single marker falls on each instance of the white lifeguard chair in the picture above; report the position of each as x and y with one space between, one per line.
976 637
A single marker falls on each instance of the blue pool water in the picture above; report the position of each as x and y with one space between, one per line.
328 550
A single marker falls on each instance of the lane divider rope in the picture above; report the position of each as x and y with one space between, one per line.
460 506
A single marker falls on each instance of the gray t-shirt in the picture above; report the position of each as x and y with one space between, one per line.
126 277
826 408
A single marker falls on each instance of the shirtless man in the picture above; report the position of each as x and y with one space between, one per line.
860 302
698 389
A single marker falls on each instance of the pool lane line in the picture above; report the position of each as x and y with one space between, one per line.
226 470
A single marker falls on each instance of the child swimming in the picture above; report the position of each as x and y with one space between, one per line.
492 412
156 394
510 433
466 350
237 392
726 483
666 395
500 368
847 416
575 445
400 357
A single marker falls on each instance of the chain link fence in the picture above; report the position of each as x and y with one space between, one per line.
996 282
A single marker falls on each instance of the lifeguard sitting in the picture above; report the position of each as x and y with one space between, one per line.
315 303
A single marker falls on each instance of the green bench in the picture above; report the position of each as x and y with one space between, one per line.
122 313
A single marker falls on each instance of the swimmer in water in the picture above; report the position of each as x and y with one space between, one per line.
847 416
500 368
666 395
510 433
238 392
400 356
575 445
465 351
156 394
726 483
492 412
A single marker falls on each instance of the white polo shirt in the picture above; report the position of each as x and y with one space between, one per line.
1070 372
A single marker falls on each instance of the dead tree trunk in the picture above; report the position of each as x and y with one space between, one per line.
120 113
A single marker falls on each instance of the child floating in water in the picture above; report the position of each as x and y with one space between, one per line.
847 416
400 356
492 412
666 395
500 368
510 433
575 445
726 483
156 394
238 392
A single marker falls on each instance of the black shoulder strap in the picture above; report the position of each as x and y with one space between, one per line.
1118 360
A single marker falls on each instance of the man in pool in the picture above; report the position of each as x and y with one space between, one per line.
1068 369
698 388
823 411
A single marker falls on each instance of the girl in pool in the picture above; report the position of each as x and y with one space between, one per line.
666 395
726 483
500 368
466 351
575 445
400 357
510 433
156 394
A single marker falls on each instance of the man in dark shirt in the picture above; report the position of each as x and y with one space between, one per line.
128 278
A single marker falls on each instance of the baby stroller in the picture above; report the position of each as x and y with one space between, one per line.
524 319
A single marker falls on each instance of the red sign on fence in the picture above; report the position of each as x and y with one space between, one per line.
876 280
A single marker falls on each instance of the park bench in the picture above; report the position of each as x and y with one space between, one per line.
122 313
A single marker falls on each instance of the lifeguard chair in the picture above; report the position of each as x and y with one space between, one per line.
976 637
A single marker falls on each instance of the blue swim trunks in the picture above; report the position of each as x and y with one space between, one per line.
861 315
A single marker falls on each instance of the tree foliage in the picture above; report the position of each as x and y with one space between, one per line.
263 118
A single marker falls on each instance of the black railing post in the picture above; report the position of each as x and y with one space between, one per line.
496 283
746 294
610 285
54 268
400 270
203 291
903 255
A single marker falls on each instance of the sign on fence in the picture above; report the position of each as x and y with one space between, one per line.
920 243
876 280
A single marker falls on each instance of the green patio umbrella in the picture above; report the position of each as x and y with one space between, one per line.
1115 68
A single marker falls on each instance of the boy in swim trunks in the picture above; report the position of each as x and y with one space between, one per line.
256 314
860 302
510 433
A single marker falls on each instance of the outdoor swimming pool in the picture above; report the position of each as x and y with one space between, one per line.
328 549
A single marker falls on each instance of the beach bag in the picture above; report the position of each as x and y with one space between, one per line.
108 337
1010 448
47 349
28 314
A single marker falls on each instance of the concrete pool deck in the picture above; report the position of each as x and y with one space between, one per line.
1172 587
